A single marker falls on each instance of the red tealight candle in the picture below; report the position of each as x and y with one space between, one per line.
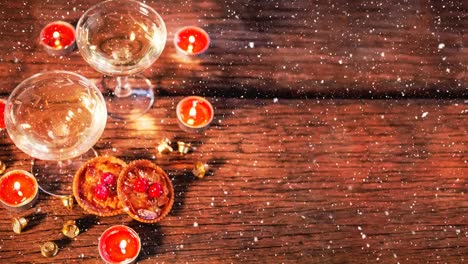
194 113
18 189
191 40
58 38
119 244
2 114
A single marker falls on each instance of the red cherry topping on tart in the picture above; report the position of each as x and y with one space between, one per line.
141 185
109 179
101 191
155 190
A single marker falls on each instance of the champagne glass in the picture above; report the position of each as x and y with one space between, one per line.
2 128
56 117
2 118
120 38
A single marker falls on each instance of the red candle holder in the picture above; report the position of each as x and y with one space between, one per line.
18 189
119 244
194 113
191 40
58 38
2 114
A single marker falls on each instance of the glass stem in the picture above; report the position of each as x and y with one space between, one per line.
122 88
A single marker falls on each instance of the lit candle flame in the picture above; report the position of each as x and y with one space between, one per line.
193 109
191 40
123 246
17 187
192 113
57 42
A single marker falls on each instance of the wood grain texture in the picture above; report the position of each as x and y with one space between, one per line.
275 48
328 181
292 178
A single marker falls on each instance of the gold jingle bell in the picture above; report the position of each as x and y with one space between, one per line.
164 146
18 224
183 147
200 169
70 229
68 201
49 249
2 167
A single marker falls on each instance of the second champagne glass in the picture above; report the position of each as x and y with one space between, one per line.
56 117
2 128
121 38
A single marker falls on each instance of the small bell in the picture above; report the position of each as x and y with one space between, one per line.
49 249
70 229
2 167
68 201
164 146
183 147
200 169
18 224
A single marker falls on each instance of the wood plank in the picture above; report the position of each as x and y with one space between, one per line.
310 181
299 49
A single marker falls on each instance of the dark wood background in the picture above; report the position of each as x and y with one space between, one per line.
300 48
340 134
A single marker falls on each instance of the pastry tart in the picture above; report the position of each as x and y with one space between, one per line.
95 185
146 191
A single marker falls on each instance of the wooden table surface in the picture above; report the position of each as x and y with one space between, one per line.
340 134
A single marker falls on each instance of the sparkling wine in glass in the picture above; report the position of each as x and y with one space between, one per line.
56 117
2 129
121 38
2 116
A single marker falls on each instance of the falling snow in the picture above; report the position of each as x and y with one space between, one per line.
341 178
